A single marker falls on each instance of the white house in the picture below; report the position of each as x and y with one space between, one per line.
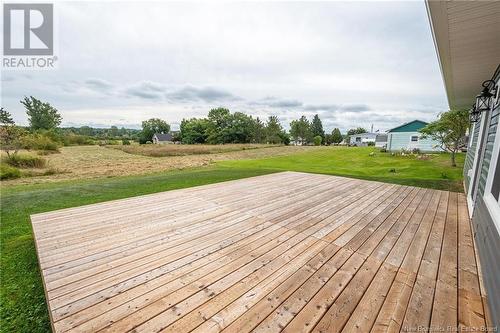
364 139
407 136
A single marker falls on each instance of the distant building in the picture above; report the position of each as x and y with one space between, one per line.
407 136
162 138
365 139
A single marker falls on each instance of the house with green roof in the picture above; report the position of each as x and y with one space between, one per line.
407 136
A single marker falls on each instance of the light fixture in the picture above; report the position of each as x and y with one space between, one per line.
483 100
474 115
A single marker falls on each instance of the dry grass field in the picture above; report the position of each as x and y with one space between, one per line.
88 162
183 150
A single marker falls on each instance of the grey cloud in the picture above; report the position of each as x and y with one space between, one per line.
321 107
98 84
207 94
146 90
275 102
355 108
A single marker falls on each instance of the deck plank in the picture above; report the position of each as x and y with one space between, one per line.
323 253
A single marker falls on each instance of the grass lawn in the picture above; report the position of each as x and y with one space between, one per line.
22 307
434 172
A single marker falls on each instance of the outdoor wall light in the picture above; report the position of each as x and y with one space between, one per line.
474 115
483 100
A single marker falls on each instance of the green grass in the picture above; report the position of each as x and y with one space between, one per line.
22 303
435 172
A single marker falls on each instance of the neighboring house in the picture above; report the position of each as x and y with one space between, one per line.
469 53
162 138
407 136
381 141
363 139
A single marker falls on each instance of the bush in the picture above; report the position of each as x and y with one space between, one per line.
317 140
126 142
39 141
25 161
371 144
76 139
9 172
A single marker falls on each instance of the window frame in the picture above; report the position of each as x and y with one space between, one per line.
414 136
491 203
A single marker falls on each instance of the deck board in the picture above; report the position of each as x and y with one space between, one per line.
287 252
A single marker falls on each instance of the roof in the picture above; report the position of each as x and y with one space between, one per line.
466 37
412 126
163 136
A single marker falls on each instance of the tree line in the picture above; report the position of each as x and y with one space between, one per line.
221 126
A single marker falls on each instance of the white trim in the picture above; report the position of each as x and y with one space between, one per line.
472 170
489 200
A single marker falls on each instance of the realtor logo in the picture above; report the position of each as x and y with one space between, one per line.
28 29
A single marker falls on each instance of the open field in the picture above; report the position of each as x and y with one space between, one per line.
184 150
88 162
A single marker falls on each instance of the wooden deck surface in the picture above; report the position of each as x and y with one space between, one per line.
289 252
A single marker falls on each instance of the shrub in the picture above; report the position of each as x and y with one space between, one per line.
416 151
25 161
126 142
39 141
371 144
77 139
317 140
9 172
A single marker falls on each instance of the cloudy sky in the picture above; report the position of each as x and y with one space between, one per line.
353 63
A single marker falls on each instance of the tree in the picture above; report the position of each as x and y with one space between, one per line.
336 136
258 131
238 128
194 130
358 130
317 128
317 140
219 119
274 130
328 139
41 115
300 130
152 126
113 131
449 130
10 134
5 118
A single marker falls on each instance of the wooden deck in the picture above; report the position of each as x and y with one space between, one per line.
288 252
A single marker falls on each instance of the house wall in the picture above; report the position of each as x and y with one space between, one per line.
485 213
400 140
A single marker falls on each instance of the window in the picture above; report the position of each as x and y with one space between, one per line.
414 138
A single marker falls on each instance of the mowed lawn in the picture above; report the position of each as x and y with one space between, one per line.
431 170
22 307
